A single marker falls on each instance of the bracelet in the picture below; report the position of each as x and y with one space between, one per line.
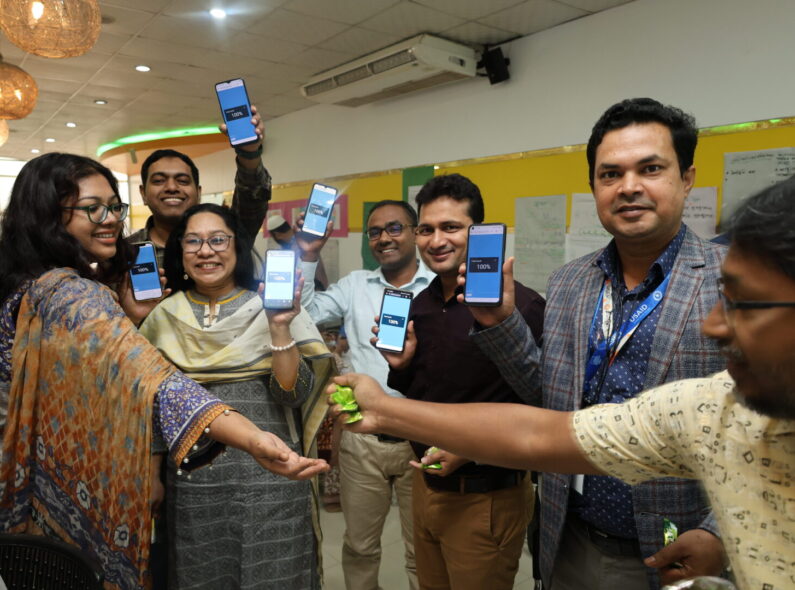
283 348
248 155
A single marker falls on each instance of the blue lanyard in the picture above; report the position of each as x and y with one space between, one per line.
609 346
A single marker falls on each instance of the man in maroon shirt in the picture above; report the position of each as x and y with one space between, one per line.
469 519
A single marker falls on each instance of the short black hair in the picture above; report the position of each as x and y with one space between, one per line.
458 188
764 225
631 111
412 214
33 237
159 155
176 277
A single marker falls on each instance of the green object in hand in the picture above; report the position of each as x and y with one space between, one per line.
431 451
344 397
670 532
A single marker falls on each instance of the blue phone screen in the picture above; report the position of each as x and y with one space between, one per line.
279 272
484 264
394 319
144 276
236 111
318 211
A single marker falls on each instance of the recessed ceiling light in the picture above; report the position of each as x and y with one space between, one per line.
50 140
100 101
218 13
35 151
142 68
71 125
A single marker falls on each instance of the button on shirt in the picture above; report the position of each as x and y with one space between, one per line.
355 300
606 503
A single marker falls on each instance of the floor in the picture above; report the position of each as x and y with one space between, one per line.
392 575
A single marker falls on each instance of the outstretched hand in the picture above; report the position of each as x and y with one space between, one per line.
274 455
369 396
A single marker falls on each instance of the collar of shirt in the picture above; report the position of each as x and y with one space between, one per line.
610 264
423 275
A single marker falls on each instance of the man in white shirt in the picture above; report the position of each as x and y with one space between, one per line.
370 465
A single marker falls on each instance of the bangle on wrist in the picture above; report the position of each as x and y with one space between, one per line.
249 155
275 348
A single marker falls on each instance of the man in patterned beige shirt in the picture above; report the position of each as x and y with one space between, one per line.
734 431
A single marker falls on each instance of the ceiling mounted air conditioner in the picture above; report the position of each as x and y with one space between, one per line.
420 62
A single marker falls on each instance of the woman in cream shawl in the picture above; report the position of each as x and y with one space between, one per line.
235 527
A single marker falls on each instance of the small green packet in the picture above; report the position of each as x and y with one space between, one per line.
431 451
670 532
344 397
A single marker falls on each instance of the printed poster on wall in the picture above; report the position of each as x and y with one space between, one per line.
586 233
539 239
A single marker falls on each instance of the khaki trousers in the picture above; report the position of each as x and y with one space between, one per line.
369 469
469 541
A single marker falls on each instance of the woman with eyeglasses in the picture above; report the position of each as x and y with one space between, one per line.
234 526
83 395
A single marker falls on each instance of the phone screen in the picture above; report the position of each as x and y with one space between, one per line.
279 279
485 253
144 276
236 110
394 319
318 210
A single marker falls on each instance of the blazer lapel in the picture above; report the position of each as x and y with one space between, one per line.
590 281
686 279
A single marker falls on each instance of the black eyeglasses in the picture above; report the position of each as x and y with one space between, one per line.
392 229
730 305
217 243
98 212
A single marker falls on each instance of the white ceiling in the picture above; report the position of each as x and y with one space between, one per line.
276 45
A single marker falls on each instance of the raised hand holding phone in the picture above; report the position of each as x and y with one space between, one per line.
280 279
237 112
491 316
318 210
397 360
485 255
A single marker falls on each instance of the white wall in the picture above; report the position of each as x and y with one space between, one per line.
725 61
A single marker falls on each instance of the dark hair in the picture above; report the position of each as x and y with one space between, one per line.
764 225
172 259
457 187
684 133
409 210
159 155
33 237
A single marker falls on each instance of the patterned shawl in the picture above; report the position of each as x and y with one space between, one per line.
76 446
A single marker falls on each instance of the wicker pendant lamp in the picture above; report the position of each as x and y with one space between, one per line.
18 92
3 132
51 28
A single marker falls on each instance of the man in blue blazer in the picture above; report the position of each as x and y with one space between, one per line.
618 321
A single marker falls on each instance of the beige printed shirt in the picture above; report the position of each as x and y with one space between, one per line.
698 429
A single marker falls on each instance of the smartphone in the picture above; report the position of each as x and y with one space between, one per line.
236 111
485 255
394 319
318 209
144 276
279 279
